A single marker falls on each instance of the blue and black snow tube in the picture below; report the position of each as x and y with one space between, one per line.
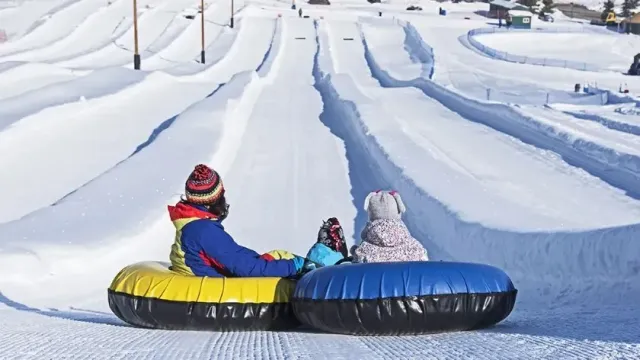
396 298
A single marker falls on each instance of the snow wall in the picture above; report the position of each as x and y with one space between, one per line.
505 56
544 258
42 240
618 169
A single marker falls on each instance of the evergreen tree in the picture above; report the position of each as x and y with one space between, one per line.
548 5
628 6
528 3
608 7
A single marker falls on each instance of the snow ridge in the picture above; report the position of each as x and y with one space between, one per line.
567 256
505 56
616 168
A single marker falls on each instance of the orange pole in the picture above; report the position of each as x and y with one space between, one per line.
136 55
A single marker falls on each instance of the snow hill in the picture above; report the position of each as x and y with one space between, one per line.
498 162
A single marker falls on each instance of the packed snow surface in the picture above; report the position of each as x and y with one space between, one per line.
606 51
498 163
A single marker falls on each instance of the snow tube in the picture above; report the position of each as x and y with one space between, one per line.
149 295
396 298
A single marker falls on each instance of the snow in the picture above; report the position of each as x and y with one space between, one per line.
497 162
606 51
528 188
621 117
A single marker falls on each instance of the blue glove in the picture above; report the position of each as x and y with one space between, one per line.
324 255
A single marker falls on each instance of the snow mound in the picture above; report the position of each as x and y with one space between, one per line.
520 41
520 253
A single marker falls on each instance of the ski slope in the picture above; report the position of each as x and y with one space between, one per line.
303 117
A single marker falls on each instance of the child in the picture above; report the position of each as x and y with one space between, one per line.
202 246
331 246
386 237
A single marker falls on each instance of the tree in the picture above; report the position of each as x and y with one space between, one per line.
608 7
528 3
628 6
548 5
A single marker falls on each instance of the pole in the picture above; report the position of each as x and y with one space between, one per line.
202 31
231 21
571 10
136 55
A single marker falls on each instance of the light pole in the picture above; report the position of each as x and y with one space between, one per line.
231 21
572 10
136 55
202 30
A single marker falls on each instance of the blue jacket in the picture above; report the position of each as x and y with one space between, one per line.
203 248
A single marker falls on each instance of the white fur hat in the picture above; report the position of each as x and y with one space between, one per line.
384 205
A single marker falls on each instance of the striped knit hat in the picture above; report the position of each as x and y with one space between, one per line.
204 186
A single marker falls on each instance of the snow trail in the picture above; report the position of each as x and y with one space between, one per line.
151 25
607 154
299 170
25 77
27 17
530 189
104 25
59 25
95 124
301 129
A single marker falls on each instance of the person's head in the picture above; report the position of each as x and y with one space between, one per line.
384 205
204 187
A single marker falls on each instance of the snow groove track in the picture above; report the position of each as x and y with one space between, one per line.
575 271
193 136
92 125
120 51
503 170
103 25
610 123
57 27
25 77
475 240
211 131
186 47
97 84
27 17
605 153
293 163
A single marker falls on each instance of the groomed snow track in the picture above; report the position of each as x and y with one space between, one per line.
618 168
577 289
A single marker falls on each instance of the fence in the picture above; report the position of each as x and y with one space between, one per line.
505 56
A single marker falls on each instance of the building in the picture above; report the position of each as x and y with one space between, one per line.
520 19
631 25
499 8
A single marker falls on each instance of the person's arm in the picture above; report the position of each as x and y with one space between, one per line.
220 246
249 251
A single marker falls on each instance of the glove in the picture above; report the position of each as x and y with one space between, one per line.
323 255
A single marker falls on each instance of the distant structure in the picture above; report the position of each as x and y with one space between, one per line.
499 8
579 11
631 25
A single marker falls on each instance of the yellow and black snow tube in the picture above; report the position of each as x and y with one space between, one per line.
149 295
